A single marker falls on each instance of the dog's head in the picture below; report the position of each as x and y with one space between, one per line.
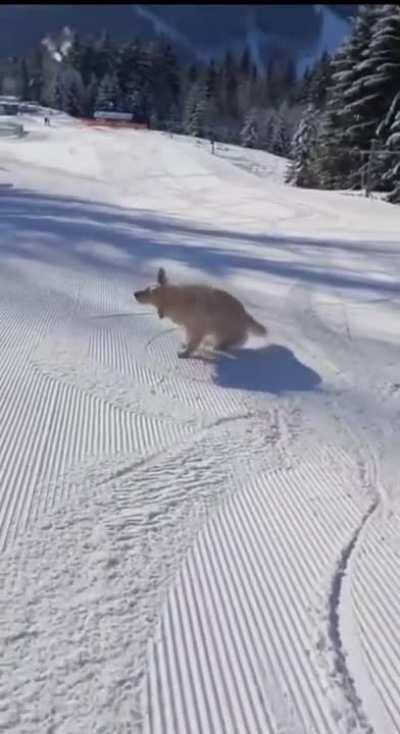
153 294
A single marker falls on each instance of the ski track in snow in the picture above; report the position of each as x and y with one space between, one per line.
133 531
240 620
376 607
82 425
194 545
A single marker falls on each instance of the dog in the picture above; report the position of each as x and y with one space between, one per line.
203 312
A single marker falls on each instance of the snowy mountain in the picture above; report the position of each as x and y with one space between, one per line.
199 31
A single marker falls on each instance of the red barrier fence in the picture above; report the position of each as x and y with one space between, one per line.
113 123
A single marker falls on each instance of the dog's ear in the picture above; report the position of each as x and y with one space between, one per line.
162 277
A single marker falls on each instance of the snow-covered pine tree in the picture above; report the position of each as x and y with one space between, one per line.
136 101
318 83
36 75
377 75
281 135
255 86
300 94
59 89
333 162
172 79
136 89
189 108
107 56
229 87
244 97
250 130
173 120
108 93
24 86
358 114
214 101
289 76
211 119
194 116
393 175
339 158
211 80
266 130
76 55
250 87
384 80
273 81
390 131
69 91
74 92
160 76
126 67
300 170
90 97
50 66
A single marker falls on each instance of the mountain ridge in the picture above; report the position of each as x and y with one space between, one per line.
197 31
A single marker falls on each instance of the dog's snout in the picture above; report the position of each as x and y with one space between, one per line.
143 296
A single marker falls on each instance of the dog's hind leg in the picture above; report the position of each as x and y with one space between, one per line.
193 342
226 342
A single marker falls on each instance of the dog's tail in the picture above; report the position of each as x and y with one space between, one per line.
255 327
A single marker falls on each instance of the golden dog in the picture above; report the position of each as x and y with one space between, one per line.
202 311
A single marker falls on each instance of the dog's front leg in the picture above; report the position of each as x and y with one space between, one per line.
192 343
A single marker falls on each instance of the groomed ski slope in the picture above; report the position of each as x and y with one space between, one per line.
194 546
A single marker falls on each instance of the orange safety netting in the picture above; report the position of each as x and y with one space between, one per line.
113 123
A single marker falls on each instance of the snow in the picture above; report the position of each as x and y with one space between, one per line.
59 49
196 545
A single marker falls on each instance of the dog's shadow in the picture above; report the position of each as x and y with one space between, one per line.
273 369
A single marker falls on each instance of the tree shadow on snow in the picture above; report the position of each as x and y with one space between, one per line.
124 241
273 369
